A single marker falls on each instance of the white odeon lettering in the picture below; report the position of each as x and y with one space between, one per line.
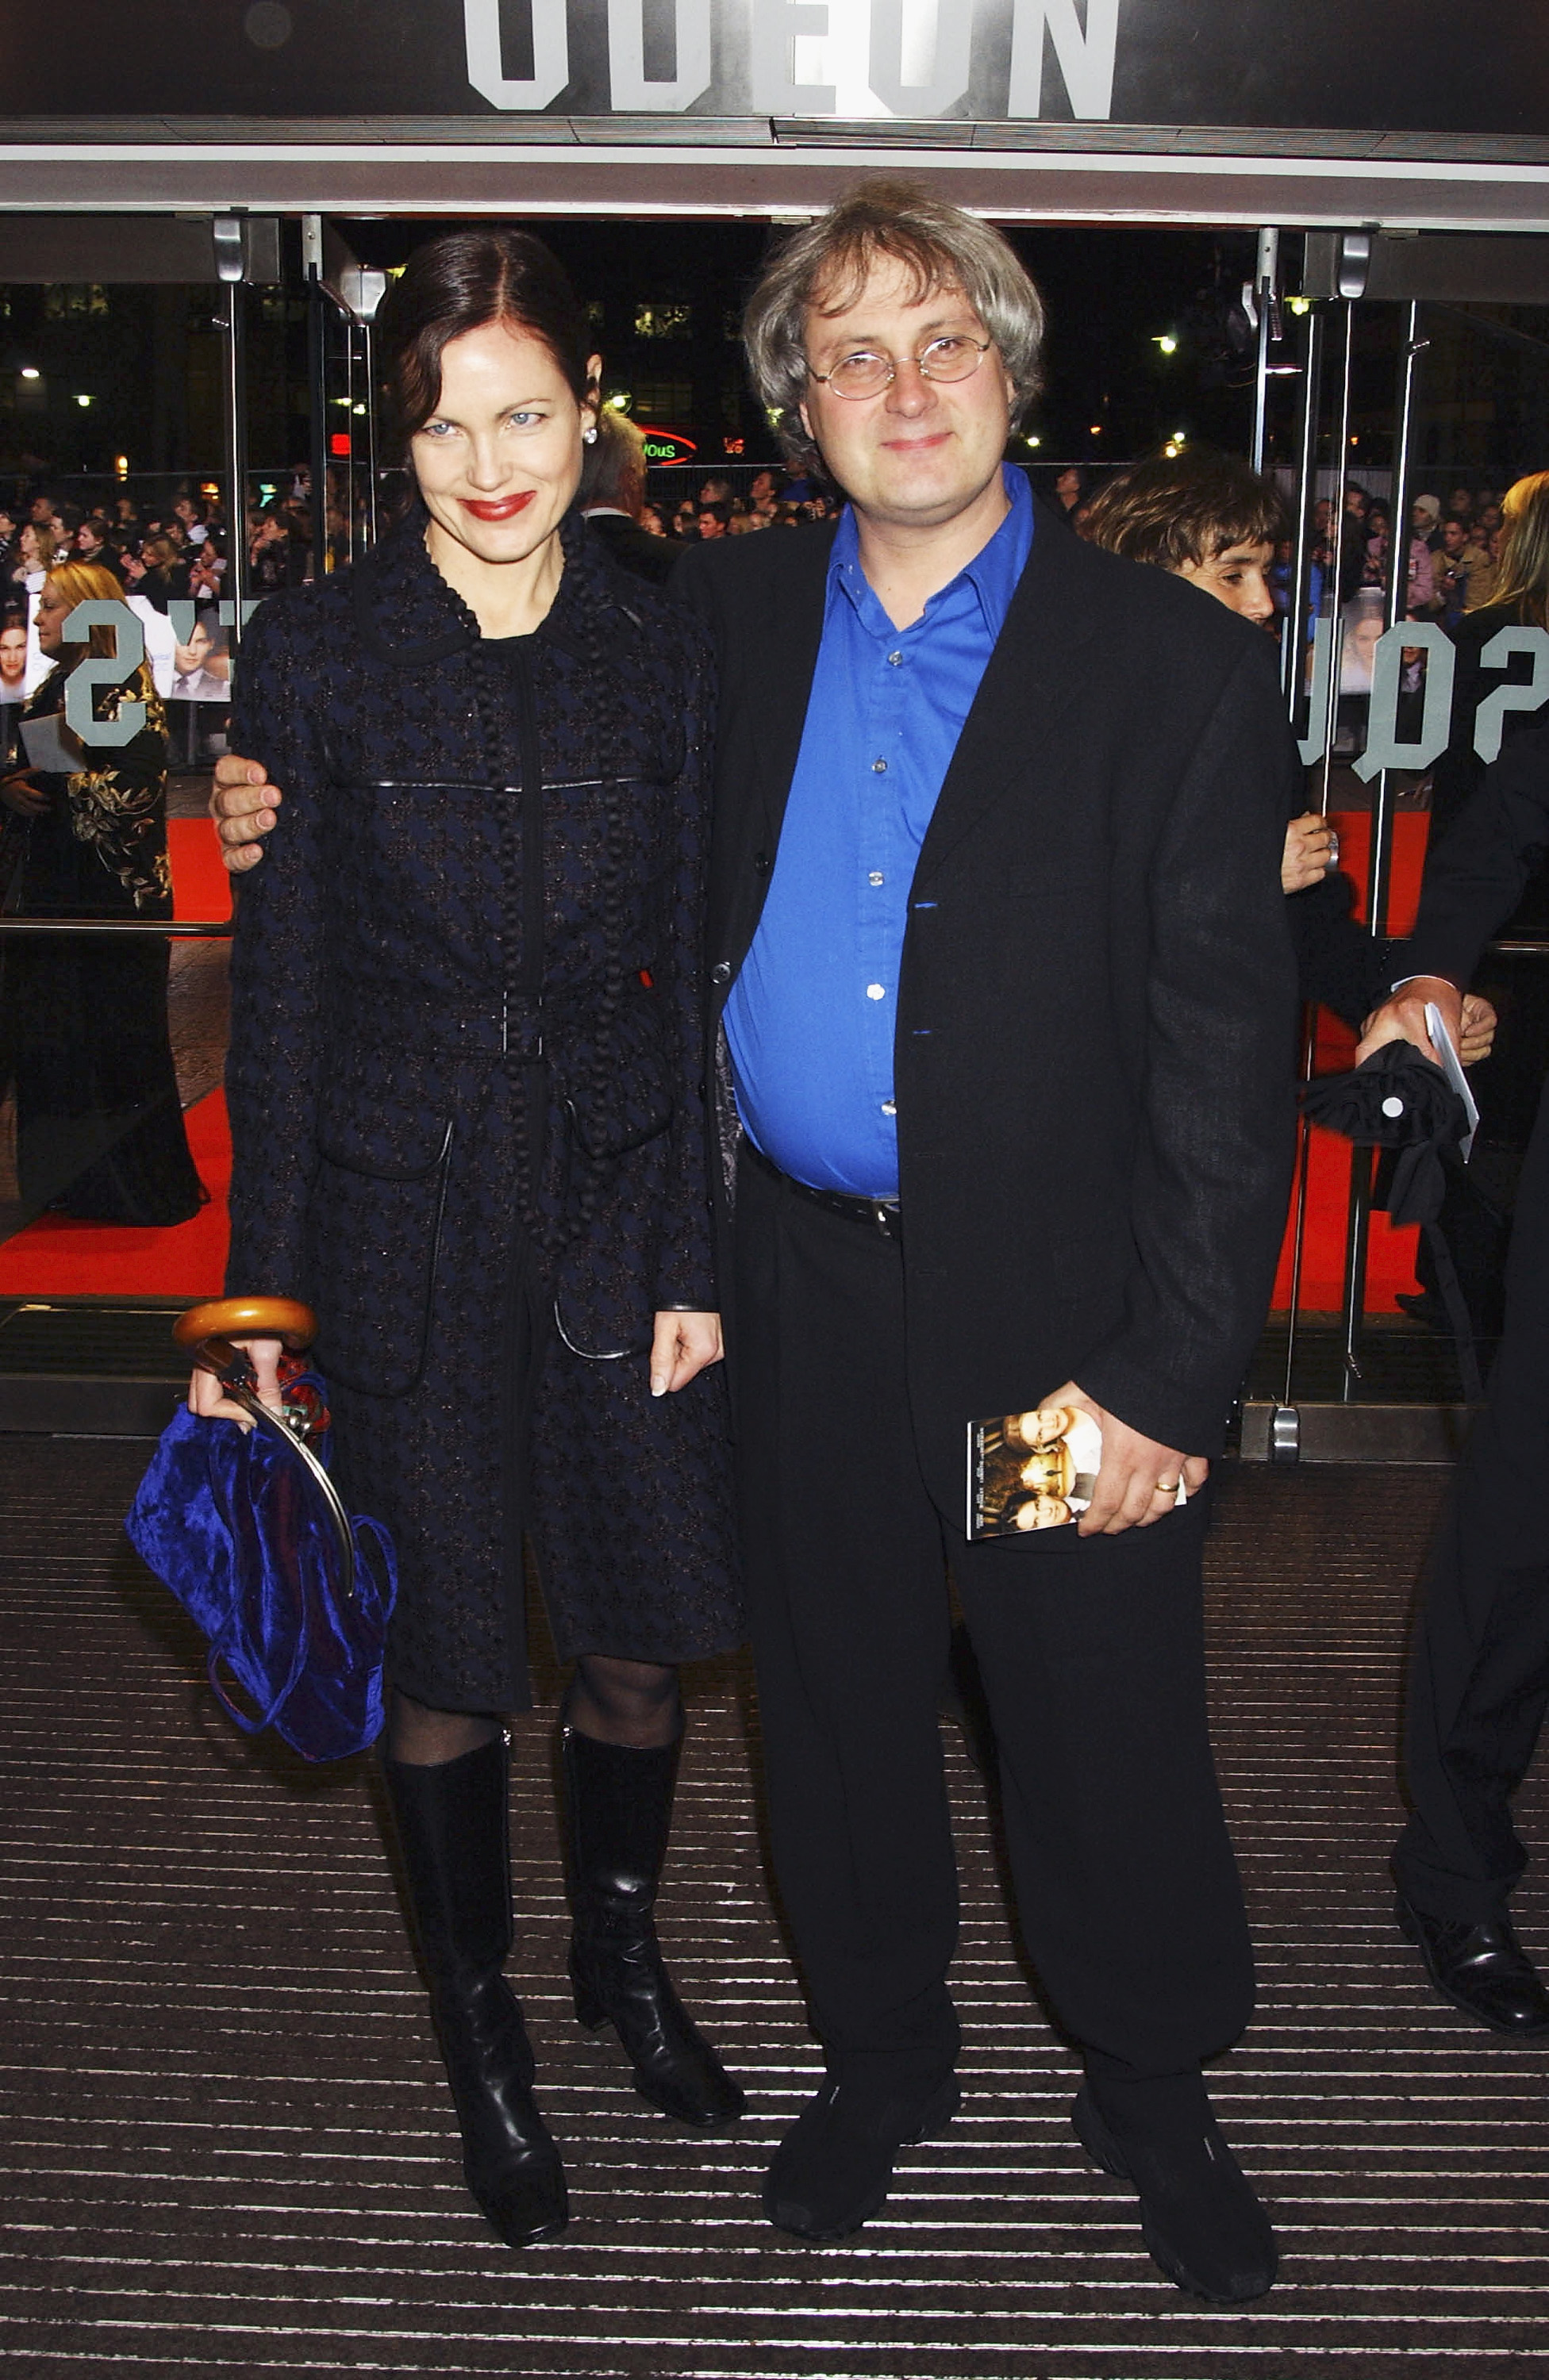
904 58
628 86
551 55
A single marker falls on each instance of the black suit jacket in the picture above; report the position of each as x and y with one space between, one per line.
633 548
1096 1035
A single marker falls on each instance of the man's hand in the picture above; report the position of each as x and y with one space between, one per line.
1138 1482
682 1346
20 795
243 803
1479 1028
1310 848
1402 1018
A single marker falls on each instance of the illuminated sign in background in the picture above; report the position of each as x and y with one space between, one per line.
1426 67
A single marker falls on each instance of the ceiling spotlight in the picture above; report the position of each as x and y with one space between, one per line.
1035 441
31 372
1167 344
83 400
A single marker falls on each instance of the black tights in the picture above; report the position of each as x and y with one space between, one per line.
634 1702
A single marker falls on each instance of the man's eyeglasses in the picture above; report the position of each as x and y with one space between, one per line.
954 356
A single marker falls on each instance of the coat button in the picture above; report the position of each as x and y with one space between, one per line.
761 862
721 971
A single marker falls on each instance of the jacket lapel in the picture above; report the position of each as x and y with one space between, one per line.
1033 677
783 654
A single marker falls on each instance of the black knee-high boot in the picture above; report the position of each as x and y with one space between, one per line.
618 1806
451 1826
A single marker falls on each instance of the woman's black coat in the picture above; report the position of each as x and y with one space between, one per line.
466 1102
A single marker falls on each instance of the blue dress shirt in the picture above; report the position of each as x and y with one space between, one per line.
809 1020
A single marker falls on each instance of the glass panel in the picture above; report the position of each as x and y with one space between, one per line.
1371 1321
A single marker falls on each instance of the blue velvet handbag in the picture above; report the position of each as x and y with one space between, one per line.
292 1593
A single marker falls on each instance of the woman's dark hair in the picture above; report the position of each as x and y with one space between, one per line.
458 282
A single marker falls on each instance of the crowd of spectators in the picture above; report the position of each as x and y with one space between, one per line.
175 552
770 500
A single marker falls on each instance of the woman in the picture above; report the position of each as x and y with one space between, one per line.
99 1124
465 1083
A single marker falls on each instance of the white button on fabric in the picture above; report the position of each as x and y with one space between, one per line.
879 767
877 877
875 991
889 1107
1393 1107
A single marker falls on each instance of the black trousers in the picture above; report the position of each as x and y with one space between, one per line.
1092 1653
1479 1676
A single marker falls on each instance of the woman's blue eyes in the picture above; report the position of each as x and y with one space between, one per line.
520 419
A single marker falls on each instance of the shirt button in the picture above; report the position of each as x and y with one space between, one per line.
889 1107
893 660
875 991
879 767
877 877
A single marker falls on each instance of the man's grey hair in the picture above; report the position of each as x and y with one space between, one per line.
613 468
825 267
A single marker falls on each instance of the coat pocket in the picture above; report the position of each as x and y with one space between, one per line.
374 1240
617 1087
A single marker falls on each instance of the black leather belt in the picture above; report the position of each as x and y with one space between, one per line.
880 1214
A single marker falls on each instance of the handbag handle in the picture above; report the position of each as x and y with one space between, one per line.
207 1332
204 1330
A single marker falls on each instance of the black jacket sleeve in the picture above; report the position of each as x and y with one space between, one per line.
1475 877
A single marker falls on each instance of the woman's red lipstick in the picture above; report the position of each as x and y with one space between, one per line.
501 508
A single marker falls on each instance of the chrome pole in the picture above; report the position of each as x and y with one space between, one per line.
1379 865
231 264
1293 650
1293 659
368 358
1266 284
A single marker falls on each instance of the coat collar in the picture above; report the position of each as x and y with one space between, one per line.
409 617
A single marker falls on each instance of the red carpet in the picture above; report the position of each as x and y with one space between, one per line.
200 887
57 1257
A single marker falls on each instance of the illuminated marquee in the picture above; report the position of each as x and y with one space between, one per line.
897 58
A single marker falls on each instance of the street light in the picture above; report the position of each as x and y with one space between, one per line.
31 372
1167 342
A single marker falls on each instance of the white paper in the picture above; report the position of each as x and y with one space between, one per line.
47 748
1451 1067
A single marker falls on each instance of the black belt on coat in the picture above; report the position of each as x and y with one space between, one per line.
880 1214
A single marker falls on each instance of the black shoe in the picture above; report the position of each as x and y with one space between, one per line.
1198 2216
1482 1969
618 1808
834 2166
451 1827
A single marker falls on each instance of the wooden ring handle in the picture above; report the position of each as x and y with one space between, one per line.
248 1318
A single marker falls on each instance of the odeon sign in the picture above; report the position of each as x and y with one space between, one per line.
849 58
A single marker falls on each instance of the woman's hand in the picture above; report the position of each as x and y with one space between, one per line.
681 1346
204 1390
19 793
1312 846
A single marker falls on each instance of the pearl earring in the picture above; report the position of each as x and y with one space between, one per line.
589 435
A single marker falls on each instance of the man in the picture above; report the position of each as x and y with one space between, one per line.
1479 1678
712 521
612 499
973 772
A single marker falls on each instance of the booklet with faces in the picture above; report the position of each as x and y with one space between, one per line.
1030 1470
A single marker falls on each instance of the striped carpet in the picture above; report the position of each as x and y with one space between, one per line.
229 2149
